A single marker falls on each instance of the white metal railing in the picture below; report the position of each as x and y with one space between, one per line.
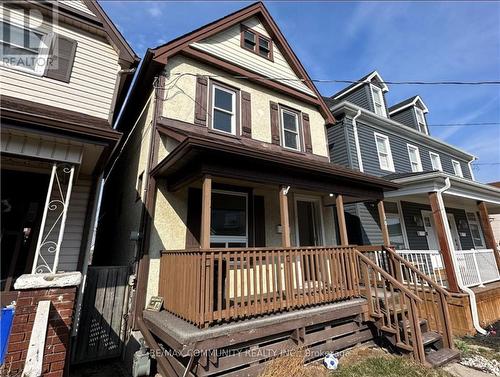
477 267
430 262
53 223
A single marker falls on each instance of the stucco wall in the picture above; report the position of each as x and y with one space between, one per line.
180 100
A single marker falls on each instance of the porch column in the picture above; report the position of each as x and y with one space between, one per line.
285 223
383 223
339 203
206 210
441 222
489 237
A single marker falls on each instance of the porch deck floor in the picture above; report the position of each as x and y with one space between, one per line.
186 333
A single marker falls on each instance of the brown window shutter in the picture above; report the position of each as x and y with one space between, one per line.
275 123
61 58
246 114
193 222
307 133
200 107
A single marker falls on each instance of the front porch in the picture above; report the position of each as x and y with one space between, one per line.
441 225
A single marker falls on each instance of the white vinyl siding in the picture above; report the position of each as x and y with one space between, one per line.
414 156
457 168
435 161
384 152
92 82
378 101
227 46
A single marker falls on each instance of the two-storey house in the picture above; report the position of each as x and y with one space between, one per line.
224 200
438 219
64 73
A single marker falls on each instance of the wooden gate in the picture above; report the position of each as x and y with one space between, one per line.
99 335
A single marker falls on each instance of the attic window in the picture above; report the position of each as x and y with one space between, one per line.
378 101
256 42
422 126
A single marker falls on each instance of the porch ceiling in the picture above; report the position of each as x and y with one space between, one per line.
197 156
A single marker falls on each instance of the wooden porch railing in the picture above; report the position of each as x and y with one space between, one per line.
214 285
433 304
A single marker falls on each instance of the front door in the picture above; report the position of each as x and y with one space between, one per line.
430 230
309 229
454 231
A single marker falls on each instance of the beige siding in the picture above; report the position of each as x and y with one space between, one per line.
179 103
92 83
495 224
227 45
76 4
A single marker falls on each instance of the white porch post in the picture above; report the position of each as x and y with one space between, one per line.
41 262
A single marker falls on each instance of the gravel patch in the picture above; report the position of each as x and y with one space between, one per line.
481 363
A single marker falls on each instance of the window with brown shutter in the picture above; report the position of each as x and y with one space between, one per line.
61 58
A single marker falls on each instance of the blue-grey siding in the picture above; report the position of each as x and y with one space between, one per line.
399 151
360 97
342 144
406 117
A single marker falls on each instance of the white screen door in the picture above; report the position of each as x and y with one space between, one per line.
430 230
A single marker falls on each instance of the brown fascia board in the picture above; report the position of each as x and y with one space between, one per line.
315 166
181 44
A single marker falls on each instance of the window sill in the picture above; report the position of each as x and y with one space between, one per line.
222 133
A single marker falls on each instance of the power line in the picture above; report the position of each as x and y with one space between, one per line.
464 124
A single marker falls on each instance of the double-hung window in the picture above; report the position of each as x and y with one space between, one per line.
394 225
223 109
475 230
23 48
290 129
257 43
384 152
422 125
414 155
378 101
457 168
435 161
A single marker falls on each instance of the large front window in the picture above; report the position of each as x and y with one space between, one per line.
414 155
23 48
475 230
224 109
384 152
229 219
378 101
290 129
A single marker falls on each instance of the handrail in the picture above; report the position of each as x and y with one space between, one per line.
423 276
250 249
388 277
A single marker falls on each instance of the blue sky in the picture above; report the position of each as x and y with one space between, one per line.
404 41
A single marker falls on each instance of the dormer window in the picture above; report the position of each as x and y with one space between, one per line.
256 42
378 101
422 126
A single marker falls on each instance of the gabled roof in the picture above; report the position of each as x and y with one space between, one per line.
412 101
364 80
182 45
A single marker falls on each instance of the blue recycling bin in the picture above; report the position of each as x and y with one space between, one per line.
6 318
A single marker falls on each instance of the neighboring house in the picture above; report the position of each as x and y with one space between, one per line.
438 219
224 200
495 220
64 73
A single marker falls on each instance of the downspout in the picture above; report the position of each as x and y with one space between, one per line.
470 168
356 140
451 243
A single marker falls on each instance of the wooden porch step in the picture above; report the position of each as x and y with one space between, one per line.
430 337
404 346
441 357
